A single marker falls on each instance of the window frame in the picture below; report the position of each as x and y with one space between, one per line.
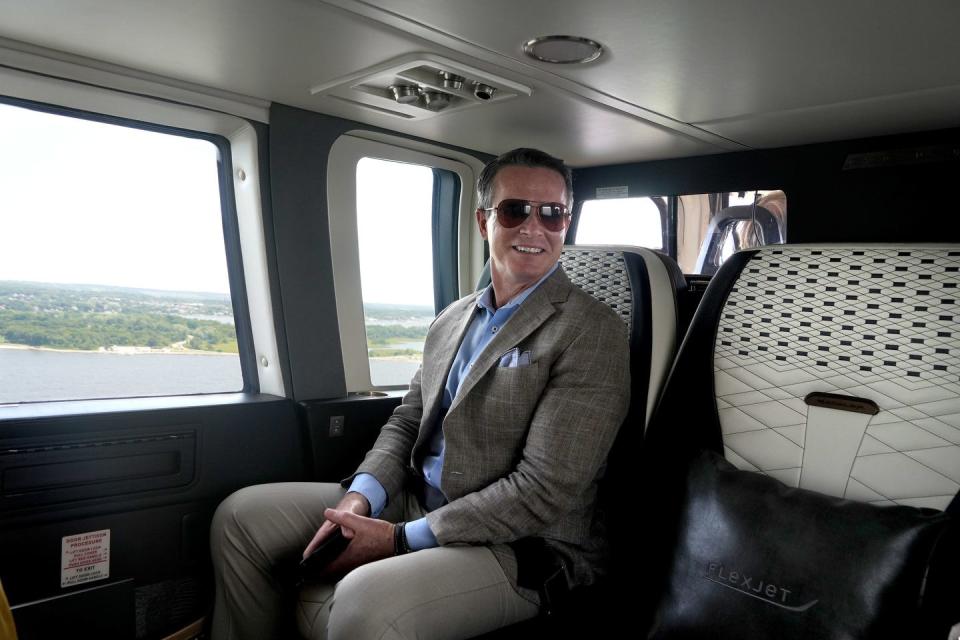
240 203
344 155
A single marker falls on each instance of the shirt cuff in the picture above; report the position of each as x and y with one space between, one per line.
371 489
419 535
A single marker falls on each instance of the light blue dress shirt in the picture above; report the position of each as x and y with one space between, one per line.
486 323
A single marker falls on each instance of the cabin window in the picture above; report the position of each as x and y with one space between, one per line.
700 231
395 241
713 226
400 221
622 221
113 268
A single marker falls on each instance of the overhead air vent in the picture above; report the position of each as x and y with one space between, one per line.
420 86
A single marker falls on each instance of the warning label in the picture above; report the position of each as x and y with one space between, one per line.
85 557
604 193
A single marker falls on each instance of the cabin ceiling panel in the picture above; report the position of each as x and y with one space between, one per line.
270 50
278 50
678 78
701 61
928 110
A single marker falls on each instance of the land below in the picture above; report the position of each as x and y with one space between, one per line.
121 320
64 317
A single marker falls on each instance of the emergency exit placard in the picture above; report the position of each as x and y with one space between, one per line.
85 557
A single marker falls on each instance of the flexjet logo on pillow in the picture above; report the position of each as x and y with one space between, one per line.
755 587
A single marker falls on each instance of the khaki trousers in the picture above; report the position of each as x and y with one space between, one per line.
256 539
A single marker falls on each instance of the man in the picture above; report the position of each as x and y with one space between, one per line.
501 437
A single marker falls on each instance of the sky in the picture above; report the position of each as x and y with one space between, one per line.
633 221
394 212
83 202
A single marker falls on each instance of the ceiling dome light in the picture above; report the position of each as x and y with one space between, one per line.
563 49
451 80
436 100
404 93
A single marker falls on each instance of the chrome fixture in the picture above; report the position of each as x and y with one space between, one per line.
563 49
404 93
451 80
483 91
436 100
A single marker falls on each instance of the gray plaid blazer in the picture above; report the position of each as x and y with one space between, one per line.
525 445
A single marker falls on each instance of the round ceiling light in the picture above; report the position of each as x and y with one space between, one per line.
563 49
404 93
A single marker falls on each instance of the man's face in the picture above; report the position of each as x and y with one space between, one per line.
522 255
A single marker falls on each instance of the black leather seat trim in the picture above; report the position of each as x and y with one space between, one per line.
686 418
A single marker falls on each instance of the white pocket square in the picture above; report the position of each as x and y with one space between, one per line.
515 358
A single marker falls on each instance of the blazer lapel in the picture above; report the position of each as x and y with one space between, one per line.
437 363
532 313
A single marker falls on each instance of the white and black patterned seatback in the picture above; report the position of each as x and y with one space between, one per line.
641 286
872 323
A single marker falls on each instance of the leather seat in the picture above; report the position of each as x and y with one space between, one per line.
782 322
871 325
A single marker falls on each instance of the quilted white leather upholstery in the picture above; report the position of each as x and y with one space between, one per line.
879 323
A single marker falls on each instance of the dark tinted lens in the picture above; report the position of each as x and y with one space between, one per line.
552 215
513 212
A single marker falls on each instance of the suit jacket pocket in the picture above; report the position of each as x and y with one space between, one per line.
511 395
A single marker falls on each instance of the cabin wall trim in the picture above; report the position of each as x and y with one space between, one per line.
78 70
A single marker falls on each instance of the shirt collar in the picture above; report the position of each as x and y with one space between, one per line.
485 301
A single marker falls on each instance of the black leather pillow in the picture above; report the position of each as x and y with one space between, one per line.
757 559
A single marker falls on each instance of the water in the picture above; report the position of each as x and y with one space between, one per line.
31 375
416 346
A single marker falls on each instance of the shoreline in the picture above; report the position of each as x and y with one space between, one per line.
396 358
125 351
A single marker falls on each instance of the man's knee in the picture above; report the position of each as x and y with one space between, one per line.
246 523
364 604
271 522
443 592
232 514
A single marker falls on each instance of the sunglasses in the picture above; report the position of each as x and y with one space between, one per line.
513 212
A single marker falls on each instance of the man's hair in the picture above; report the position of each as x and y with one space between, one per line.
522 157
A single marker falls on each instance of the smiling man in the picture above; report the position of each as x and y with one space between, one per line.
477 504
522 254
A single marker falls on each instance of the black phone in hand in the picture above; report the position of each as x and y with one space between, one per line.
324 554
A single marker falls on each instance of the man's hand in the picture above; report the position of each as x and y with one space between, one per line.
370 540
352 502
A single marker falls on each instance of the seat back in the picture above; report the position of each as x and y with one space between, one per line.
876 326
641 286
830 368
